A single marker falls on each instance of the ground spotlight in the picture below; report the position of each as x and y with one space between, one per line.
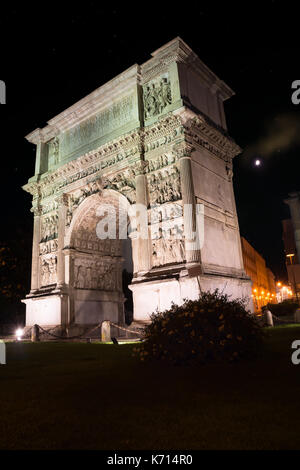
19 333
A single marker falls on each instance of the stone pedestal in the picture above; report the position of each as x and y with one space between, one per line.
159 294
268 318
105 332
35 333
297 315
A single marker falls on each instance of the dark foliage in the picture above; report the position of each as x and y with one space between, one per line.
212 328
15 264
287 307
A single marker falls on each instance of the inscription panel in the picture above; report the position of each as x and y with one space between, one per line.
107 121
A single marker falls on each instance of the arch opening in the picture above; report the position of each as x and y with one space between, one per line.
99 260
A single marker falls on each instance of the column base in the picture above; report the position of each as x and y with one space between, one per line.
149 296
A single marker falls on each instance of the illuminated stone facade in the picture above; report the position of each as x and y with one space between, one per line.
263 280
154 135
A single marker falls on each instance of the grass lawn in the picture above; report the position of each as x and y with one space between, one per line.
95 396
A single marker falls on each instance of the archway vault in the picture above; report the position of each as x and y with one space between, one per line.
93 262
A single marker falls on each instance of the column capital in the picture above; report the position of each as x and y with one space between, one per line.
62 199
293 198
36 210
229 171
183 150
139 167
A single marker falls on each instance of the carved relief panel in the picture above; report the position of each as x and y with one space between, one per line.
48 248
97 274
53 152
48 270
49 227
167 234
168 245
87 240
164 186
157 96
75 199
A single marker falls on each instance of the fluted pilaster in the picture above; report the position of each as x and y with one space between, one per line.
35 266
183 152
143 253
62 212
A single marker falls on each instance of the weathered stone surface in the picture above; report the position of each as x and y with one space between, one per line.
155 136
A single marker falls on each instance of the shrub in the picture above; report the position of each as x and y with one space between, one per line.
287 307
208 329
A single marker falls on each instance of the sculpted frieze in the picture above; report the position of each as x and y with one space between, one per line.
163 212
123 182
48 247
164 186
49 228
49 207
74 200
86 238
157 96
48 270
162 133
160 162
53 151
168 246
97 275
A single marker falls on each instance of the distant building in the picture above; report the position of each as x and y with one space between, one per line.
291 241
271 281
263 280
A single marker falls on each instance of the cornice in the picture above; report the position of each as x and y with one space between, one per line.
201 130
87 165
184 125
87 107
174 51
293 199
178 51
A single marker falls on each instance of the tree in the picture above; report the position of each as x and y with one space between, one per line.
15 258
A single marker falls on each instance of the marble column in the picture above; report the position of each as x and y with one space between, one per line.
229 171
143 253
294 204
183 152
35 267
41 160
62 212
69 257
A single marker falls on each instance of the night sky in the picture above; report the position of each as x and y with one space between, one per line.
54 54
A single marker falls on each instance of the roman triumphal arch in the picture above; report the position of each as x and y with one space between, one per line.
154 137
